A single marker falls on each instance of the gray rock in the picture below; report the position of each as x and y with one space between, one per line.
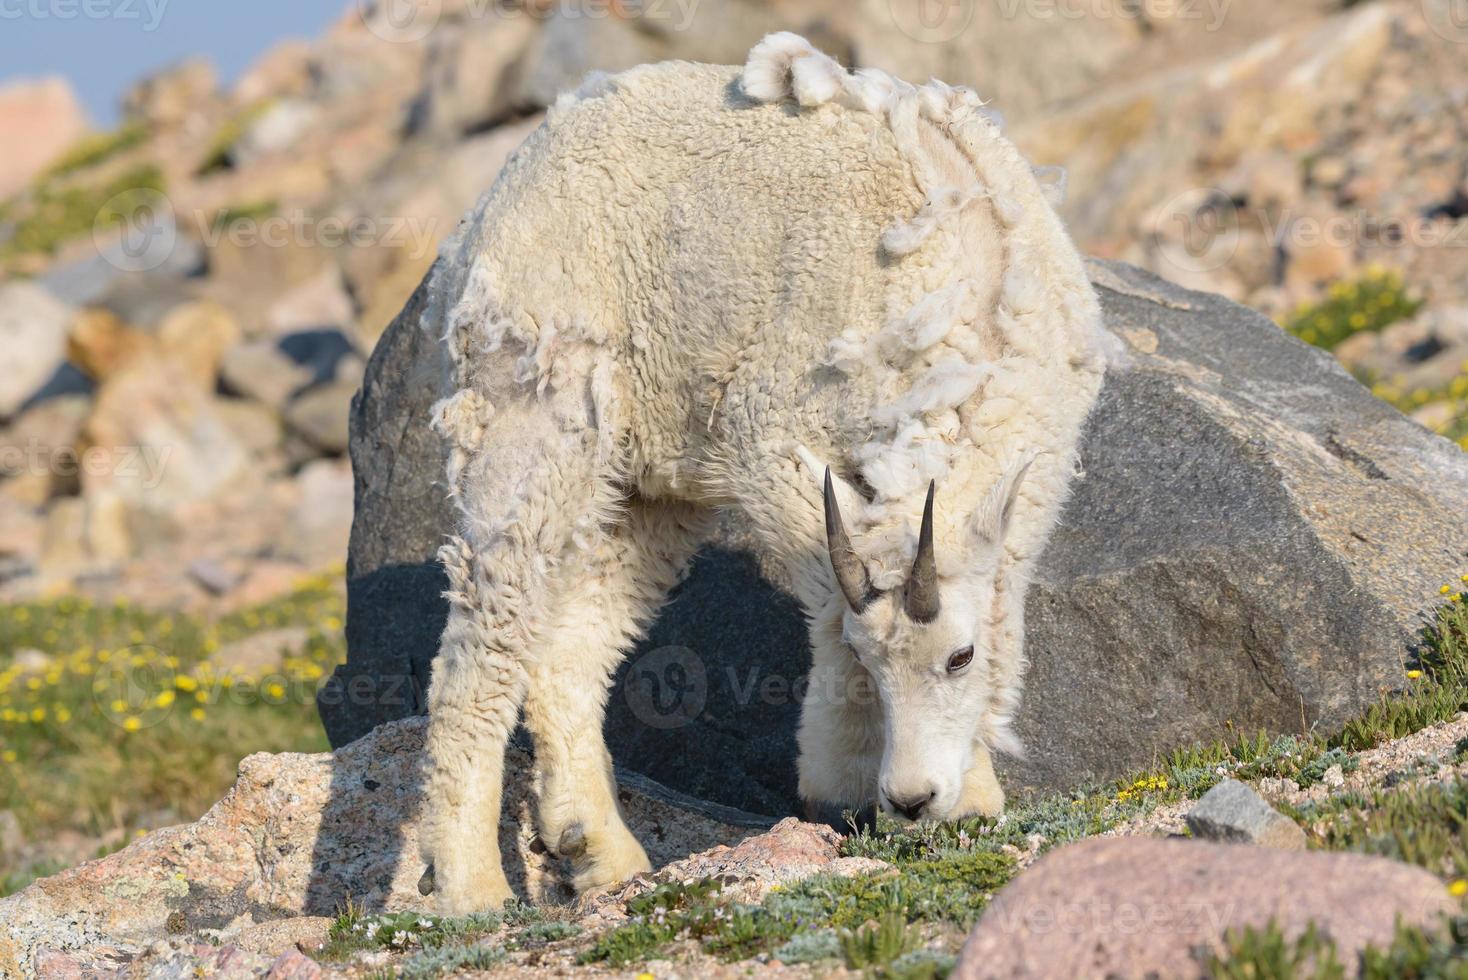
214 577
1233 813
320 415
1254 539
282 125
33 326
260 370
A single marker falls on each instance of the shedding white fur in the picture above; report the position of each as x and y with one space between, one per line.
673 303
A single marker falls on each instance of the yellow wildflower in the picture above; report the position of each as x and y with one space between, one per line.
9 755
1414 674
197 714
164 699
1458 888
131 724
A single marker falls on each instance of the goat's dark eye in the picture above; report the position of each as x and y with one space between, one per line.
960 660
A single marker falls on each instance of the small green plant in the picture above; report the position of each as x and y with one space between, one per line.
809 946
548 932
1267 954
1439 953
1426 825
55 215
432 963
920 964
218 157
1375 301
97 148
877 943
1417 954
250 211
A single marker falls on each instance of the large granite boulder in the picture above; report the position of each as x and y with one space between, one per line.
1254 540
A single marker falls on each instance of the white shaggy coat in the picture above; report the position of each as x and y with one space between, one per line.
696 288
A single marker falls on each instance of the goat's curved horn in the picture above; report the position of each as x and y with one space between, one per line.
920 598
851 574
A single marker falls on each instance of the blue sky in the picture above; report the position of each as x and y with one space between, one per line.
104 45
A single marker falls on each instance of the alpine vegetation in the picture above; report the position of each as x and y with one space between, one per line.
835 304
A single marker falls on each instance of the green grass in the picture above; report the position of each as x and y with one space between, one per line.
217 157
56 214
97 148
945 885
1415 954
1368 305
124 720
250 211
1425 825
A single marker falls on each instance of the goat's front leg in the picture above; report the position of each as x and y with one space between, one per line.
982 795
840 736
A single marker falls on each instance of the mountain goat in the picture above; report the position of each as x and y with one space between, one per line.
833 303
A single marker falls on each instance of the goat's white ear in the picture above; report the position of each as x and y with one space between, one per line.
847 497
991 519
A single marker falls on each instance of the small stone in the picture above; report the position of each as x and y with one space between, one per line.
1231 812
33 334
321 416
213 576
259 654
31 661
262 371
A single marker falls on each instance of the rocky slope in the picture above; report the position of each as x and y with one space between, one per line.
1270 152
308 868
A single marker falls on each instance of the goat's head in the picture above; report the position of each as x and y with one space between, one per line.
928 645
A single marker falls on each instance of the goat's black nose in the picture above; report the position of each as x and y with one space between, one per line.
911 807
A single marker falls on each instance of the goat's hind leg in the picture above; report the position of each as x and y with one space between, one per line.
609 593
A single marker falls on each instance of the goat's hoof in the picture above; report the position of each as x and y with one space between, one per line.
425 884
572 843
